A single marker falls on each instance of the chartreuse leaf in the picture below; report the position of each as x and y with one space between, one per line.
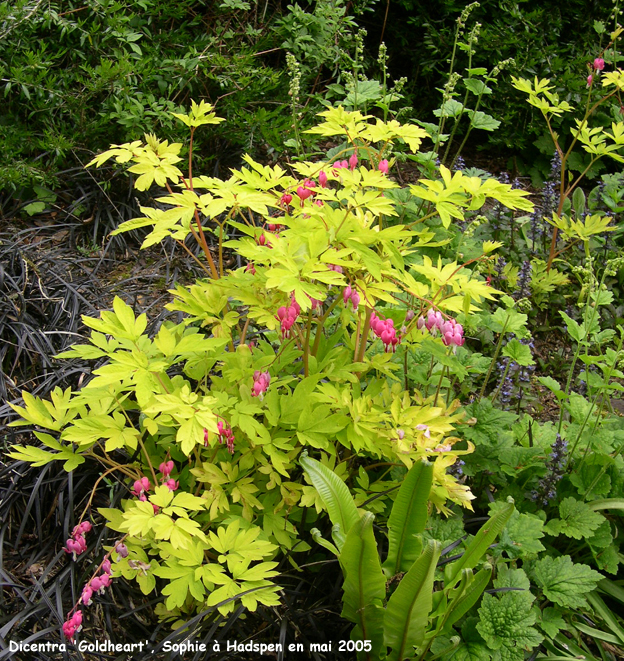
333 492
480 543
564 582
364 583
408 518
408 608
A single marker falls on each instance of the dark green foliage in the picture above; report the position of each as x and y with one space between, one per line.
77 76
554 40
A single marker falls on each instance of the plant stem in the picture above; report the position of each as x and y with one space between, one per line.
494 359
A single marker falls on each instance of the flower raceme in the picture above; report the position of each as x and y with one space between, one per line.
287 316
77 544
452 332
385 330
261 383
166 468
351 294
140 487
226 434
73 625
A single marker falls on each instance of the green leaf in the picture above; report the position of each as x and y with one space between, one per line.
333 492
364 585
550 621
472 647
483 121
480 543
506 624
574 330
518 352
553 386
408 518
476 86
35 208
408 608
607 504
521 536
457 609
607 615
564 582
578 201
577 520
450 108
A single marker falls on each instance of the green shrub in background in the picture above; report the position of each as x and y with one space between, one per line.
77 75
558 40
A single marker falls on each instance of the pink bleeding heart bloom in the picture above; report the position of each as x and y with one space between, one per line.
425 429
76 544
250 268
82 528
453 333
383 166
121 549
165 468
106 566
172 484
105 580
316 304
286 199
287 316
599 64
353 161
87 595
303 193
96 583
72 625
322 178
335 267
225 433
346 293
434 320
261 383
590 78
140 487
384 329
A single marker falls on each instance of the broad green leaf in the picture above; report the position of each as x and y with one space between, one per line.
333 492
483 121
518 352
364 583
578 520
408 608
565 583
408 518
506 624
607 504
469 597
480 543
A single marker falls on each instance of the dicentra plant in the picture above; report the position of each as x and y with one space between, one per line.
306 345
